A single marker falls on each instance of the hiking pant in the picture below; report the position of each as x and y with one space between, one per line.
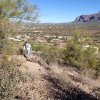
27 54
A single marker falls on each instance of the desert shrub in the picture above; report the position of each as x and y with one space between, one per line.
10 47
39 47
75 55
52 54
72 52
9 78
98 68
89 57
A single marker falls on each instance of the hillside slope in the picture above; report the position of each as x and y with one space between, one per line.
53 82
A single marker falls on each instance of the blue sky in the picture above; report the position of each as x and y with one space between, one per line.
57 11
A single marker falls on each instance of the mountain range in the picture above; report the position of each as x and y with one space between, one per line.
88 18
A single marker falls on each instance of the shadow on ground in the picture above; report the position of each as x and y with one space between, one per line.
59 92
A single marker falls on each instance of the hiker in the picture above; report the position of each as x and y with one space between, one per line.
27 48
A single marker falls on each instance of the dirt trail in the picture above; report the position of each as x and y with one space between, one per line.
35 87
38 87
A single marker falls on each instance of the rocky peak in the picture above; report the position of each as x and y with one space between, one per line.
86 18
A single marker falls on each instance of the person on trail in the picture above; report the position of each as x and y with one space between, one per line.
27 48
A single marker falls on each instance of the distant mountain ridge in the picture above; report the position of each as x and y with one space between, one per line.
87 18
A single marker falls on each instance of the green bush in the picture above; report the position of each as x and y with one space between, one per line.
52 55
74 54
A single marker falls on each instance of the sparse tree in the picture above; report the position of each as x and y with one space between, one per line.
17 9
